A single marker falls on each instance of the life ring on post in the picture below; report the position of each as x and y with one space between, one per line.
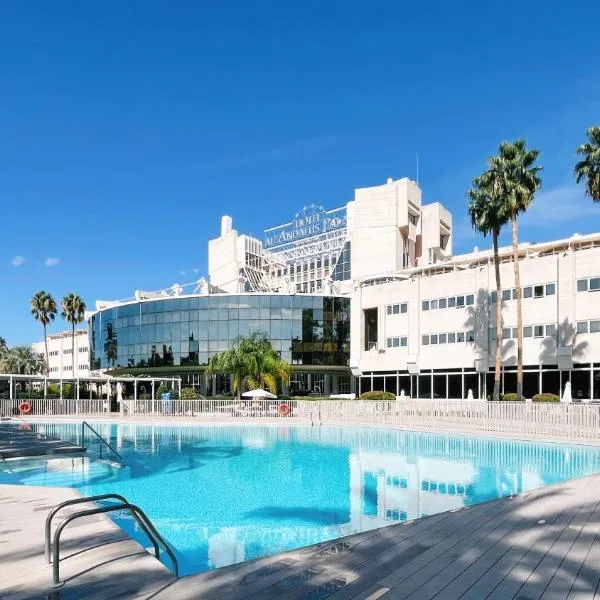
284 409
25 408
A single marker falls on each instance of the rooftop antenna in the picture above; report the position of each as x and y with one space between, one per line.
417 168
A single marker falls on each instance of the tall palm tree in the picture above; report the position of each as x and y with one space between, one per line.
22 360
73 312
3 346
588 169
516 175
487 217
43 309
252 361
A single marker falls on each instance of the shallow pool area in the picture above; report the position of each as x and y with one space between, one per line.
222 494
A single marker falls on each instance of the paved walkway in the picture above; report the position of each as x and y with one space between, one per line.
540 545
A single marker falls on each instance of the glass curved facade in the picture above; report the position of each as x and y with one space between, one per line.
188 330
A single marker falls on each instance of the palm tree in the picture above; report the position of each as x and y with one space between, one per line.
43 309
3 346
252 361
588 169
73 312
487 217
516 176
22 360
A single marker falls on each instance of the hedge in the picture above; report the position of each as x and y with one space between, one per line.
377 396
509 397
545 397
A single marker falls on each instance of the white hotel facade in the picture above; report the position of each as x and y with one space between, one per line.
62 363
422 319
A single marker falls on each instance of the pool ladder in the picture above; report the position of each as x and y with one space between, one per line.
52 548
101 441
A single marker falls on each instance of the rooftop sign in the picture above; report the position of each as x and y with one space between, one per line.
310 221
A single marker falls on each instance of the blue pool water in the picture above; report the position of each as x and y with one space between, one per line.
222 494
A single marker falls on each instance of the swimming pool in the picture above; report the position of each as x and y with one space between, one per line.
222 494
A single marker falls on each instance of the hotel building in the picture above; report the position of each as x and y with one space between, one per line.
369 296
62 363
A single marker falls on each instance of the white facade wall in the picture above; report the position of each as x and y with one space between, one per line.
60 357
558 310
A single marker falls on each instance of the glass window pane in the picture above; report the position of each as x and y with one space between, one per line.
506 333
389 342
442 338
389 310
403 307
470 336
470 300
506 295
582 327
594 326
425 340
451 338
433 339
425 304
538 291
460 337
538 331
527 292
594 283
433 304
451 302
582 285
550 289
493 297
403 341
460 301
442 302
527 331
396 342
550 330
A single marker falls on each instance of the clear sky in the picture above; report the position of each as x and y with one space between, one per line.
128 127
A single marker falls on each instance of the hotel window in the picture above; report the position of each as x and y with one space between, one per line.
550 289
433 304
506 295
594 326
85 349
67 351
493 297
442 303
527 331
527 292
582 326
506 333
396 309
538 331
538 291
425 305
470 336
425 340
550 330
582 285
470 300
451 338
83 367
396 342
414 219
433 339
442 338
451 302
69 368
594 284
460 337
403 308
460 301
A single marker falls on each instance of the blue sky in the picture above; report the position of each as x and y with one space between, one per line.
128 128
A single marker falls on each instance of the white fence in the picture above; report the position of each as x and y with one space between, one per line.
151 408
521 419
527 419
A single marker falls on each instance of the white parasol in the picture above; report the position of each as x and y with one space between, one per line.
259 393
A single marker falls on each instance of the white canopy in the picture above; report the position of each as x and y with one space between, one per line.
259 393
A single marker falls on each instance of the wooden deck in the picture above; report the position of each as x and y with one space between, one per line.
543 544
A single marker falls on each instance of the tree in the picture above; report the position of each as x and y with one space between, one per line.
516 177
588 169
73 312
252 361
487 217
23 361
43 309
3 346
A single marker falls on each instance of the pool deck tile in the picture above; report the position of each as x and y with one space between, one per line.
541 545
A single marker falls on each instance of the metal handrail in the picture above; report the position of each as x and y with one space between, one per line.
85 424
138 514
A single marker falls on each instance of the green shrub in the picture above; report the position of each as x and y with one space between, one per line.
377 396
68 391
189 393
545 397
509 397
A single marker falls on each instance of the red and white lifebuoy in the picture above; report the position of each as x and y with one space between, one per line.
25 408
284 409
